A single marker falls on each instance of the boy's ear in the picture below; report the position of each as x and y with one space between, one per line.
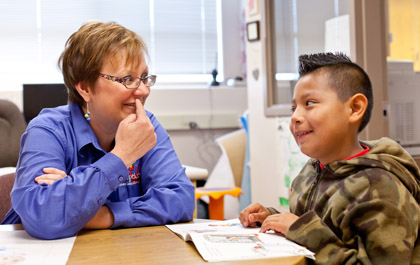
84 90
358 104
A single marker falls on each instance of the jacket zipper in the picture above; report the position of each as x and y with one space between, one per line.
314 188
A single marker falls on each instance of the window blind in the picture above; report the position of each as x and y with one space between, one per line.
181 34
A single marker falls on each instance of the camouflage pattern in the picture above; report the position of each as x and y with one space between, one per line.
359 211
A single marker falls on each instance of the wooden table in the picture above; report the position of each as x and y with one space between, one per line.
143 245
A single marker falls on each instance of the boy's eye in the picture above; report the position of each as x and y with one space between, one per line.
293 108
309 102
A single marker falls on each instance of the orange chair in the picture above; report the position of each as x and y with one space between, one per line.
216 195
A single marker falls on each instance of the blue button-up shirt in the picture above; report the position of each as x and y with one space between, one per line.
154 191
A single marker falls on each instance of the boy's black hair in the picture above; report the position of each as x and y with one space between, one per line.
346 77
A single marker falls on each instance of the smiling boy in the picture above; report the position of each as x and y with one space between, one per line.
354 202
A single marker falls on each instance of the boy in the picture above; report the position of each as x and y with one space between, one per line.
354 202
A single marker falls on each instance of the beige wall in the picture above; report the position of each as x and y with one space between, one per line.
262 131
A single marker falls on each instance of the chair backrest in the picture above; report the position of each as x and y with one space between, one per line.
6 185
12 126
234 145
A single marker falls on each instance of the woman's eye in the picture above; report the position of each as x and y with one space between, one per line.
293 108
128 78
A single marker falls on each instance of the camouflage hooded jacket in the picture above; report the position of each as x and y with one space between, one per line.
359 211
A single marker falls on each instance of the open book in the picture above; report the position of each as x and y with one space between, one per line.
229 240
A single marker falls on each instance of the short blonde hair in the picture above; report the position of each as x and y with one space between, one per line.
85 50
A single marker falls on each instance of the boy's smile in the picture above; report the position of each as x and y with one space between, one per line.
320 120
301 134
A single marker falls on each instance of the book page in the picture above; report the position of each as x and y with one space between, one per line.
229 240
229 226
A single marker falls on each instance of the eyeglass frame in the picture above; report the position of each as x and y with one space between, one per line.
123 82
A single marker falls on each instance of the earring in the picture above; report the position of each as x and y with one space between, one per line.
87 114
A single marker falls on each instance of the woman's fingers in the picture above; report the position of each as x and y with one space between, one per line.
51 175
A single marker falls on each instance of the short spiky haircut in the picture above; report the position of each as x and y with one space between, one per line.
346 77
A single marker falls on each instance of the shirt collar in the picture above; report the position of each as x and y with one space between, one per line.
366 150
82 130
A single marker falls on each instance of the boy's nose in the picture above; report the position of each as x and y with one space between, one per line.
296 117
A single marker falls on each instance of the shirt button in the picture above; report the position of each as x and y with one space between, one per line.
100 202
121 179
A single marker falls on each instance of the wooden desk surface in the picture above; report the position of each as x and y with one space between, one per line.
143 245
146 245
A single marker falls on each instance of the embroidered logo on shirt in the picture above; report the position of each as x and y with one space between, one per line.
134 174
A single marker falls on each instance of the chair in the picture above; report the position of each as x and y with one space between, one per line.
233 146
194 174
217 196
12 126
6 184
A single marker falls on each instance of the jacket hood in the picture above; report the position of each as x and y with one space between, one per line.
389 155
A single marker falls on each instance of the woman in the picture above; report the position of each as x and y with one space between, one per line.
102 161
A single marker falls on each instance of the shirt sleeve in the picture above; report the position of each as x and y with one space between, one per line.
378 228
63 208
168 194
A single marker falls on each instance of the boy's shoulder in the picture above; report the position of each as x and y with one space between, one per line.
384 145
386 166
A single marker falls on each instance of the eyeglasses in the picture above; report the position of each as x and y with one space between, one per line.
131 82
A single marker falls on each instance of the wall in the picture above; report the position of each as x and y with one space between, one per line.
404 30
214 111
197 147
263 131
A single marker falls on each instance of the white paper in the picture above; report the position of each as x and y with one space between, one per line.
17 247
229 240
183 230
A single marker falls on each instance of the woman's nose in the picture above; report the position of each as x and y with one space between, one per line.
142 90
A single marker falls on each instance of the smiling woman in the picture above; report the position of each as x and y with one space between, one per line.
102 161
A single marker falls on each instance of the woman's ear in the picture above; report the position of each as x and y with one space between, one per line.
358 104
84 90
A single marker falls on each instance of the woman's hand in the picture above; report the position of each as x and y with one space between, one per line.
278 222
103 219
51 175
135 136
253 215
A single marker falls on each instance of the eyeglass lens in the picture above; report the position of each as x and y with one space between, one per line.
134 82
